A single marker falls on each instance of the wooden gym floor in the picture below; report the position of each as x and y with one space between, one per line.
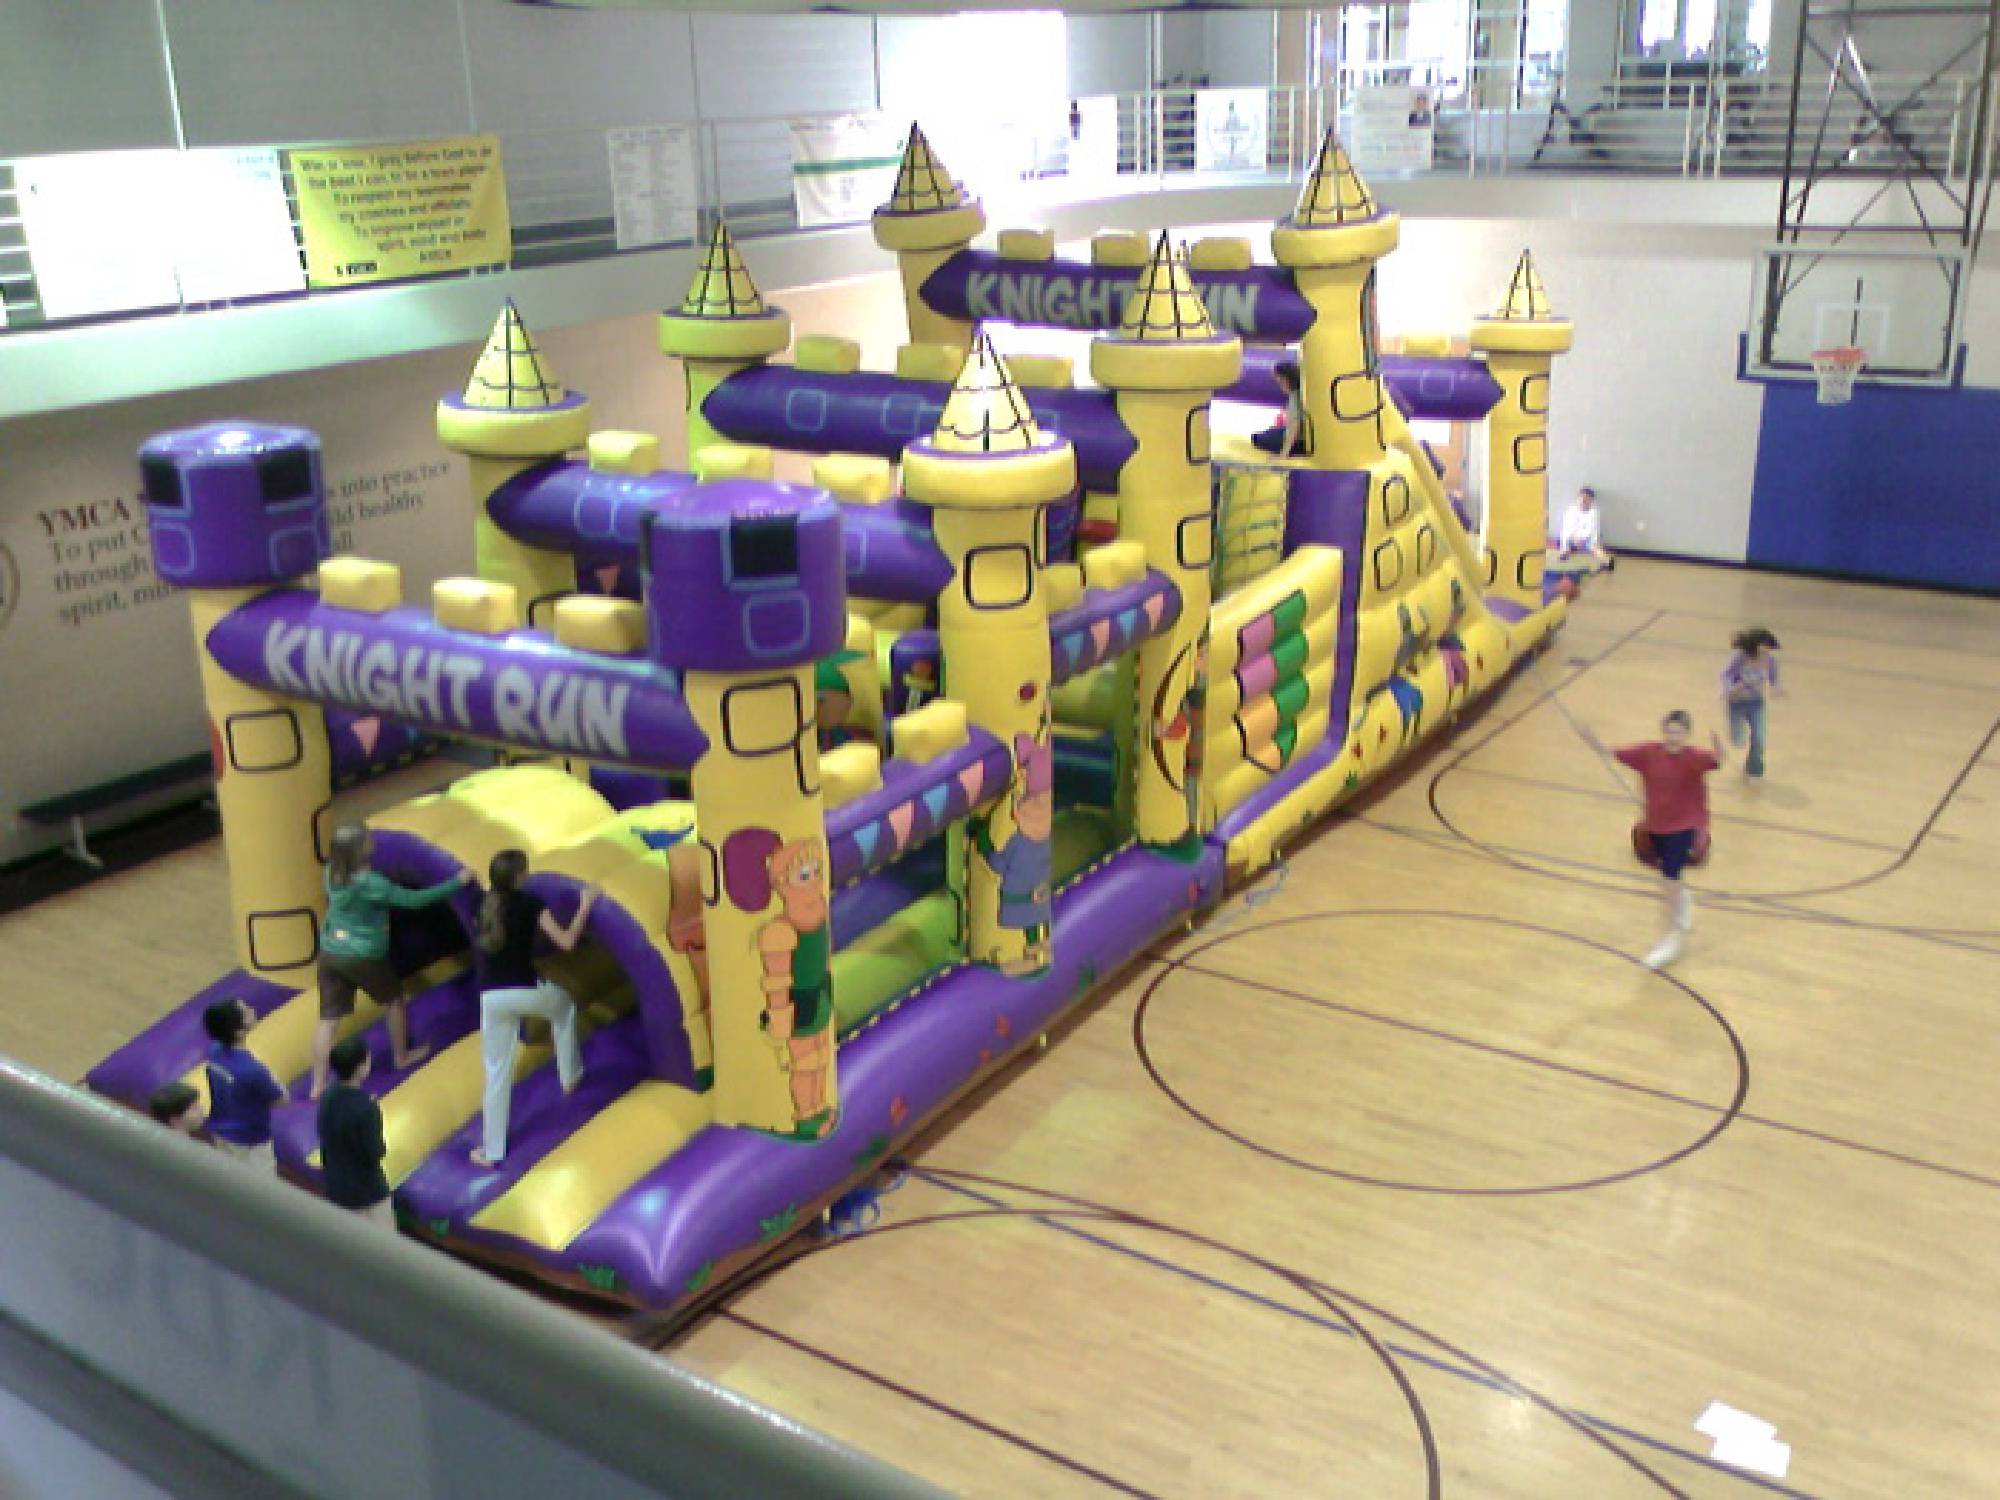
1401 1176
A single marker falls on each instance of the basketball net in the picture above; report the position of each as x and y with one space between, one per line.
1836 370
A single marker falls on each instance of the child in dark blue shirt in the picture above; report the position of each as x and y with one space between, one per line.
241 1089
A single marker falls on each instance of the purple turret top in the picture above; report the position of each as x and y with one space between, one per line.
520 689
1261 303
234 504
743 575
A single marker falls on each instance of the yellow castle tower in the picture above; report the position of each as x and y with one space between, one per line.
722 326
928 219
514 415
988 473
1331 242
1164 364
1520 341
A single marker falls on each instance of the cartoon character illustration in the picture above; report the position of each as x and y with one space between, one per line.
1410 704
796 946
1457 675
1175 706
1023 862
833 700
687 933
1415 636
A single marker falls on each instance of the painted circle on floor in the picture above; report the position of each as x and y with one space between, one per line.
1440 1052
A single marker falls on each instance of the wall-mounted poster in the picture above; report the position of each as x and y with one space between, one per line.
1395 127
383 213
1232 130
843 169
233 237
654 194
94 222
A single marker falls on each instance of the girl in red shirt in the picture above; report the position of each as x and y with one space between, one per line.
1675 827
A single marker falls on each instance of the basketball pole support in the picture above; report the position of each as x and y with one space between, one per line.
1829 56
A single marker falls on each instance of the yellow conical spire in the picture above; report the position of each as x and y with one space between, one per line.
511 374
1526 299
1334 193
986 412
1164 305
922 183
722 287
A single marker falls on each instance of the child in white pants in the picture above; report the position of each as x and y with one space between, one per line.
500 1015
510 920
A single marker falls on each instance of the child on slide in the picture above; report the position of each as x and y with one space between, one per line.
1673 834
1749 681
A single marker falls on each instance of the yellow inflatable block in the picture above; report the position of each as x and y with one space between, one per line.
864 674
1027 244
1219 252
474 604
858 478
567 1190
934 362
732 461
1114 565
594 622
624 452
1427 345
361 584
849 771
826 354
1042 371
928 732
1062 583
1119 247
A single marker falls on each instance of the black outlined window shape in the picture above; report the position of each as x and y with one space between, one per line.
262 742
1531 453
1198 448
1395 500
1388 561
1535 394
1000 576
1427 547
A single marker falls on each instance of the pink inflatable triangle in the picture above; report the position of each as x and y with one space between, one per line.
901 820
1100 635
607 576
369 732
972 778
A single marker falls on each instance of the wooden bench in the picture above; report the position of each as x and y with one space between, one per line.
73 807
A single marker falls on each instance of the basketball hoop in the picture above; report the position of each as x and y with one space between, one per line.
1836 371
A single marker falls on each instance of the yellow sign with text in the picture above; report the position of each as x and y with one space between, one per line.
383 213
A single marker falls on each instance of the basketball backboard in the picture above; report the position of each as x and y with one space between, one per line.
1902 306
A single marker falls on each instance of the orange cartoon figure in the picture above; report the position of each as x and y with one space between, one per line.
796 946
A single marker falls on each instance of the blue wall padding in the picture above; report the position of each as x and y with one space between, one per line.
1901 485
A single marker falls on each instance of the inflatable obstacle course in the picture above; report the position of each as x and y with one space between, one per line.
979 716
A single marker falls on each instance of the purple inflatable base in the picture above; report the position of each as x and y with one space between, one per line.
729 1195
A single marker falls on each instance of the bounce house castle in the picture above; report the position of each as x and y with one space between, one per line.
878 777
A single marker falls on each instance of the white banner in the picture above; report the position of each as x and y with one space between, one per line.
654 194
1232 130
844 169
96 224
1394 128
233 235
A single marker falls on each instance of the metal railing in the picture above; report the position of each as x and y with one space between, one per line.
1646 120
295 1343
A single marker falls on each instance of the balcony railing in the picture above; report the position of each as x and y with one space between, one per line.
1488 122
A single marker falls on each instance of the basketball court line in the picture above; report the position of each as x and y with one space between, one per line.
1778 625
934 1404
1442 1034
1463 1366
1620 882
1791 660
1733 818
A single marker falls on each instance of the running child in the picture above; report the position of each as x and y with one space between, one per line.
1674 832
1749 681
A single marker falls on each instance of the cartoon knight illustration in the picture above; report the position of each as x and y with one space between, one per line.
796 946
1022 863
